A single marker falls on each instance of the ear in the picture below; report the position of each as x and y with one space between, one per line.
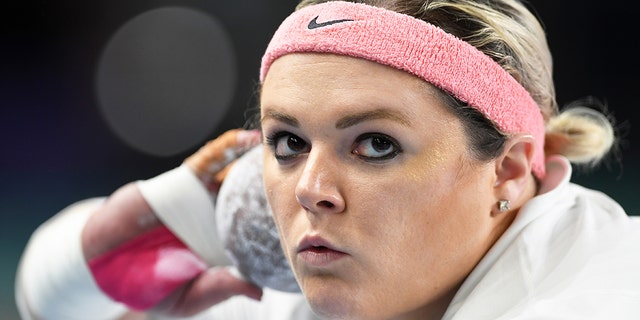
514 181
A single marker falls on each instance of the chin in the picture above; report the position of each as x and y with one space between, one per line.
334 310
330 302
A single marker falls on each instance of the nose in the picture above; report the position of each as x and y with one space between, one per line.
317 189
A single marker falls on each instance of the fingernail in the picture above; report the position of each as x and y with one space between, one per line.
249 137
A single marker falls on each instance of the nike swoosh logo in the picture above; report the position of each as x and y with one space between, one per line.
313 24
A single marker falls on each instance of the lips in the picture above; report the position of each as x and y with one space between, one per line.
317 252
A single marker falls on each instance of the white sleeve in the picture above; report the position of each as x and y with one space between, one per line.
53 280
186 207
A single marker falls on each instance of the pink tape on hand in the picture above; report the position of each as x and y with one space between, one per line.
144 271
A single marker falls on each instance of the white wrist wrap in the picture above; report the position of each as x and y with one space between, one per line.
185 206
53 280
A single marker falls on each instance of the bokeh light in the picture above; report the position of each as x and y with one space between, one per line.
166 79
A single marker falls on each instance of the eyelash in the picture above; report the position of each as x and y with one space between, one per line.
397 149
274 139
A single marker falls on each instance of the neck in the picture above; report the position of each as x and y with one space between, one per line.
432 311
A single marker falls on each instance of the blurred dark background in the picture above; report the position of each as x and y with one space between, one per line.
66 136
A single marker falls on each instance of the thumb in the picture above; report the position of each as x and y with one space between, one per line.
213 286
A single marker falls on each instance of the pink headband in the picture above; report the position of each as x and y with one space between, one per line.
412 45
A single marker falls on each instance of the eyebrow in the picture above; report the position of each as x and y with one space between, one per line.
354 119
346 121
279 116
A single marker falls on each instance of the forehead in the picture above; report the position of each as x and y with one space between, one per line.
318 77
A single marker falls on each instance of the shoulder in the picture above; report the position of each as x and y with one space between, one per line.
580 258
572 253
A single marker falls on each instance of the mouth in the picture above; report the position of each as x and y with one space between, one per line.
317 252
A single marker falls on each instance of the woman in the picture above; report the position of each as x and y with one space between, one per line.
416 166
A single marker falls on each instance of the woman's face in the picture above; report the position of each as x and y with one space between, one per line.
381 210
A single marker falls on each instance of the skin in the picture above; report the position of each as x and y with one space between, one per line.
377 167
126 215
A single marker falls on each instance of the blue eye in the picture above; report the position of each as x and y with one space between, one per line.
376 147
286 145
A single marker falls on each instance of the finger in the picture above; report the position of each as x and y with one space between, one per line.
210 161
222 174
211 287
217 153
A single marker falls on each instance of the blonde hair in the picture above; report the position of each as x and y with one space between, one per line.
509 33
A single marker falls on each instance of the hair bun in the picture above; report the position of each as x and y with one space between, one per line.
580 133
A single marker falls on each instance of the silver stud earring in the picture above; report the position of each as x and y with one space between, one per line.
503 205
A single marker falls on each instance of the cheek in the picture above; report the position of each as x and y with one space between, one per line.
451 221
281 200
427 209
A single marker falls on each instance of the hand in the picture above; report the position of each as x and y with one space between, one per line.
212 162
126 217
213 286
